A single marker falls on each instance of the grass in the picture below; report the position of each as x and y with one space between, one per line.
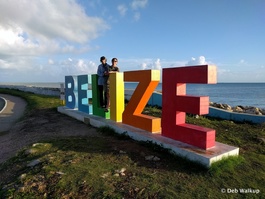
114 166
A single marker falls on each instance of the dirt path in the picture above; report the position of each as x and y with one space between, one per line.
41 125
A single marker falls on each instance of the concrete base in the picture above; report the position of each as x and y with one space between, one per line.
204 157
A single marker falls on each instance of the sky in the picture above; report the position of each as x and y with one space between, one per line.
46 40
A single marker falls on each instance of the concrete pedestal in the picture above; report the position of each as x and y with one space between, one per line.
204 157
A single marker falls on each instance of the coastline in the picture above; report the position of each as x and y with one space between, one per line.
234 94
34 89
223 111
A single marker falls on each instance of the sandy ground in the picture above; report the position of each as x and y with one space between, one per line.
41 125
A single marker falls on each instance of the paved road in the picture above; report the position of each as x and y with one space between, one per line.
14 109
2 103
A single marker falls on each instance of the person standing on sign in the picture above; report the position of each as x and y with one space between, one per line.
112 69
103 76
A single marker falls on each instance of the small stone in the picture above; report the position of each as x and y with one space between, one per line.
150 157
227 107
105 175
21 189
37 144
156 158
22 176
238 109
122 170
34 163
60 173
262 139
30 151
122 152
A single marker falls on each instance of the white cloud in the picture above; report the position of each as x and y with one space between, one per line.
50 20
137 16
50 61
78 67
157 64
150 64
44 72
138 4
242 61
143 66
122 9
39 27
199 61
32 30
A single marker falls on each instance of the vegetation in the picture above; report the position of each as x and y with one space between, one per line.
114 166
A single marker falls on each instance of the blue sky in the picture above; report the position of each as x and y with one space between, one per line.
43 41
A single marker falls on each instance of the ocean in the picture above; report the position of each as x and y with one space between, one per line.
233 94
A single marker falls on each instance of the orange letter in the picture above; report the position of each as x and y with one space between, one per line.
132 115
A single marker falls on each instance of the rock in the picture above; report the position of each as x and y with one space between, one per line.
60 173
152 158
22 176
34 163
30 151
262 139
36 144
21 189
222 106
238 109
227 107
105 175
122 152
122 170
253 110
156 158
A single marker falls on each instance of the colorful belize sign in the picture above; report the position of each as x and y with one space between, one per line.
81 93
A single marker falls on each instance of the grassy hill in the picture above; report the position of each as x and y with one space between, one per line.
108 165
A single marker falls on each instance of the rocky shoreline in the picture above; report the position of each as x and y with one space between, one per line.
239 109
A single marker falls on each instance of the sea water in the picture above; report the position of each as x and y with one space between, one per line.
233 94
